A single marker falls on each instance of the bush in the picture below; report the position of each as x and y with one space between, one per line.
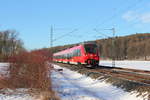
29 70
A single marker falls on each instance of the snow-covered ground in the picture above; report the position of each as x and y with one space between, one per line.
73 86
19 94
3 69
142 65
4 66
8 94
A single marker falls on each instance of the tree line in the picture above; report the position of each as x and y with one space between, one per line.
9 44
128 47
132 47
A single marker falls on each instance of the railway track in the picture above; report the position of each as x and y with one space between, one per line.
139 76
127 74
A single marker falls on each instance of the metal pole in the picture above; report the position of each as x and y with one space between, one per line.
112 43
51 37
51 43
113 47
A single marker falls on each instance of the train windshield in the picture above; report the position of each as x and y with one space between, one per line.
90 48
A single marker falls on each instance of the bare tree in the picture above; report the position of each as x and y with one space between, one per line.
9 43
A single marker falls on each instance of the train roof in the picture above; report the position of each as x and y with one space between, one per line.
74 47
67 50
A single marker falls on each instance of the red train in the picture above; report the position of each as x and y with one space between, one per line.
86 53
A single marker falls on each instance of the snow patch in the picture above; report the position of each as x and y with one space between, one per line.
73 86
4 69
141 65
19 94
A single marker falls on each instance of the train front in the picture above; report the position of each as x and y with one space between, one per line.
91 54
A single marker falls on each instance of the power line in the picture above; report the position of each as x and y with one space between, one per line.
120 11
113 43
62 36
100 32
52 34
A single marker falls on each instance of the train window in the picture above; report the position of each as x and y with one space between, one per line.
60 56
79 52
90 48
76 53
68 56
65 55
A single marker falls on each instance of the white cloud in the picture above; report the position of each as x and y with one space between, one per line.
132 16
145 18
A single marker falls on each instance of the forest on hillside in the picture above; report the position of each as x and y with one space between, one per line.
132 47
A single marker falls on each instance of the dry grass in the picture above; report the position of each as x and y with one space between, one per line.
30 70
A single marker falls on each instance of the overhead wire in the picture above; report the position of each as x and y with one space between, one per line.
115 15
64 35
103 22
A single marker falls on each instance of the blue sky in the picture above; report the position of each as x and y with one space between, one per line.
33 19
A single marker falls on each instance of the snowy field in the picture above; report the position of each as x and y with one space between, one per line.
3 66
73 86
142 65
19 94
3 69
10 94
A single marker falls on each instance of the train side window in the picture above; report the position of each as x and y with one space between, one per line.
75 52
62 56
66 56
71 55
79 52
